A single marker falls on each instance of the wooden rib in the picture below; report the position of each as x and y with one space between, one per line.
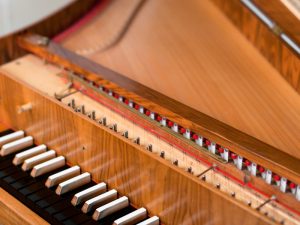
161 194
14 212
243 144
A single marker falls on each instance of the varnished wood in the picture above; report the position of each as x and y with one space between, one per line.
200 59
146 179
48 79
281 56
249 147
49 27
13 212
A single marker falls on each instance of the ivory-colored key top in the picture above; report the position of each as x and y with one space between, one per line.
132 218
88 193
22 156
16 145
48 166
62 176
73 183
11 137
154 220
35 160
110 208
99 200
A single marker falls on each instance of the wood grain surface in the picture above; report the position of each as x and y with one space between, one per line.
284 59
13 212
176 196
193 54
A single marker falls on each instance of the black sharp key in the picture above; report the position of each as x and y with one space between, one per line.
39 195
48 201
65 214
8 158
22 183
8 171
15 177
31 189
5 163
58 207
79 219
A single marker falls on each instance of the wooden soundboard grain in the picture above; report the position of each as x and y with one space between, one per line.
165 190
13 212
190 52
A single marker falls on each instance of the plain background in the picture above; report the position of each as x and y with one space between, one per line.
18 14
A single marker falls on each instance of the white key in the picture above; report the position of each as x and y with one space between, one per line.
17 145
88 193
22 156
48 166
99 200
62 176
73 183
154 220
132 218
110 208
11 137
35 160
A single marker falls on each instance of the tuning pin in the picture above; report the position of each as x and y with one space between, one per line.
125 134
137 140
162 154
149 148
249 203
113 127
92 115
190 170
212 147
72 104
283 183
253 169
232 194
269 177
102 121
218 186
175 127
175 162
